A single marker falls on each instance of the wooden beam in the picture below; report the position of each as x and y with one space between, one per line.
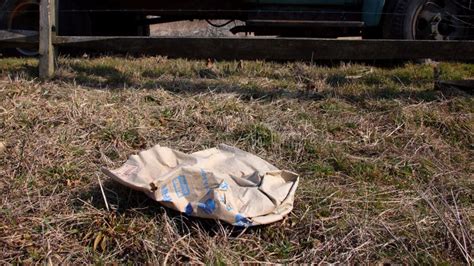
47 33
18 39
275 48
466 85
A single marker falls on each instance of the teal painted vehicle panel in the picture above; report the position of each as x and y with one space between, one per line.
372 12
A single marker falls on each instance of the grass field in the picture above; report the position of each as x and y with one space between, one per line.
386 162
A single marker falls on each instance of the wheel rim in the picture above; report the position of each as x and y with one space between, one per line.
25 17
438 20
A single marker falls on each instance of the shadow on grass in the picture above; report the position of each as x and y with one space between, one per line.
114 79
111 75
111 78
127 202
25 70
386 93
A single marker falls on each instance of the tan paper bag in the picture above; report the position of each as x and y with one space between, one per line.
222 183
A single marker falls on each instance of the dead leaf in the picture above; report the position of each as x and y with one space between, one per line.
103 244
73 183
97 240
163 121
3 147
210 63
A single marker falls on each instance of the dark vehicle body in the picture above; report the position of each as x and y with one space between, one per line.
396 19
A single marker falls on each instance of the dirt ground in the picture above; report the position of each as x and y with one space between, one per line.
198 28
385 160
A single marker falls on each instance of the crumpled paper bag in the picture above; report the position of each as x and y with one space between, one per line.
222 183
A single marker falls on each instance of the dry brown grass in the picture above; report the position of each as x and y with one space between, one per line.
385 161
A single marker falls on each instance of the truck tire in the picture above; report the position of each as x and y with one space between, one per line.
24 15
21 10
423 20
20 15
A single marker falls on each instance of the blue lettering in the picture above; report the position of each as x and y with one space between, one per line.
181 186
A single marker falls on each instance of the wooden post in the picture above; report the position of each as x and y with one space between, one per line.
46 34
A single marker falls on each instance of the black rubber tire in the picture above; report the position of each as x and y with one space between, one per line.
6 12
80 23
400 17
8 7
70 23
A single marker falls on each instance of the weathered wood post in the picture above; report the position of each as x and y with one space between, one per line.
47 33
